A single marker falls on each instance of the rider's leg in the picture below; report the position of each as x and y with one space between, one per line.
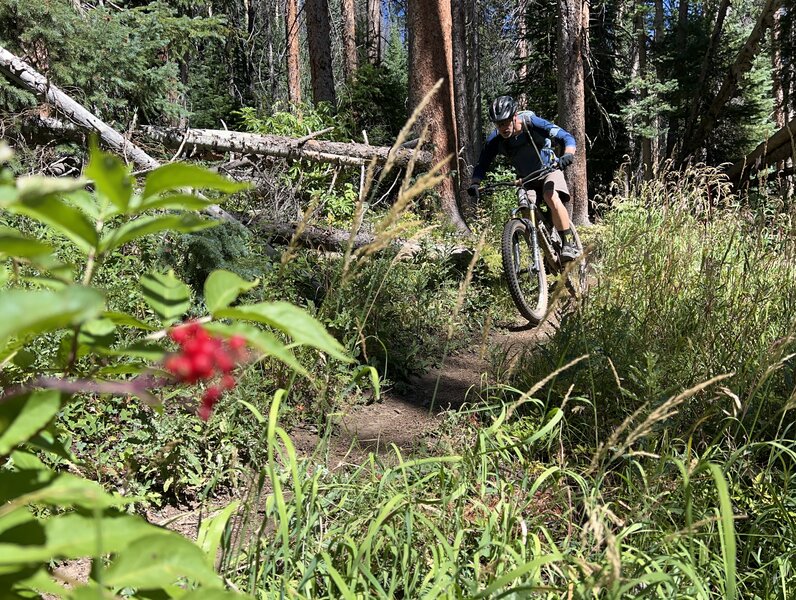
560 218
557 209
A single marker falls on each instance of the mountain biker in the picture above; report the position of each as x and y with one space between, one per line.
527 141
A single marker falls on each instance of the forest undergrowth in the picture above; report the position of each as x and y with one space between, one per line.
643 450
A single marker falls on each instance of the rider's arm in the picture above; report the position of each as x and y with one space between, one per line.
554 132
488 154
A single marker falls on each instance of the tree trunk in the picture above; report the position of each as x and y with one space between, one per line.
697 102
522 51
639 71
292 50
573 30
462 110
743 63
220 141
471 23
430 59
374 37
23 74
659 146
320 47
349 39
673 135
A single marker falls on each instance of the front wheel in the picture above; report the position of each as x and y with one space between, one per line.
528 288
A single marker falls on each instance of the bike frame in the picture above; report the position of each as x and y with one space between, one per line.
534 223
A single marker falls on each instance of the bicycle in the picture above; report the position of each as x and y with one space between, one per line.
530 248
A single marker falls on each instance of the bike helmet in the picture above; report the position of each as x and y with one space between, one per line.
502 108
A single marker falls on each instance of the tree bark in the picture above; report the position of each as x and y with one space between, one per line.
673 136
474 73
319 39
23 74
573 32
462 110
349 39
659 146
292 51
639 71
729 87
522 51
430 59
778 147
697 101
220 141
374 37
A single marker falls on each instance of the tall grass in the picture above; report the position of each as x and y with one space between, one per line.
650 457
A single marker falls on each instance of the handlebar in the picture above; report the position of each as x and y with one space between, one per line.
531 177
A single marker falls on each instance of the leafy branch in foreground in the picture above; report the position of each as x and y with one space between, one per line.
45 515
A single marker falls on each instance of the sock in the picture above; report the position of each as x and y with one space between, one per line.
565 235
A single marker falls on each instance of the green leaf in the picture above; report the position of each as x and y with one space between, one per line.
111 177
22 417
45 487
36 311
141 349
92 591
212 529
223 287
36 187
135 368
48 441
98 333
75 535
143 226
13 243
253 410
212 595
61 217
158 561
166 295
263 341
27 461
181 175
176 202
292 320
86 202
41 582
120 318
374 378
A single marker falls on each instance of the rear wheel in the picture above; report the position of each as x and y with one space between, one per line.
528 289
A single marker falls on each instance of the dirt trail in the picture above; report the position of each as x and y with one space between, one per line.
404 419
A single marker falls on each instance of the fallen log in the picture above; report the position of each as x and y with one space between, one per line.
337 240
780 146
219 140
26 76
20 72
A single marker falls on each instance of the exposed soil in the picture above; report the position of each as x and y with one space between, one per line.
405 419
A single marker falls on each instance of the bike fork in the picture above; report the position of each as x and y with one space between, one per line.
530 227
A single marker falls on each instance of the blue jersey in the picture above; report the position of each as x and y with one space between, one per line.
526 156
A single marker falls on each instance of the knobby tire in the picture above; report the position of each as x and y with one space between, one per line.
527 289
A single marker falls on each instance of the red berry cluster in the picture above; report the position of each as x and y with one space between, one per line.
201 358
